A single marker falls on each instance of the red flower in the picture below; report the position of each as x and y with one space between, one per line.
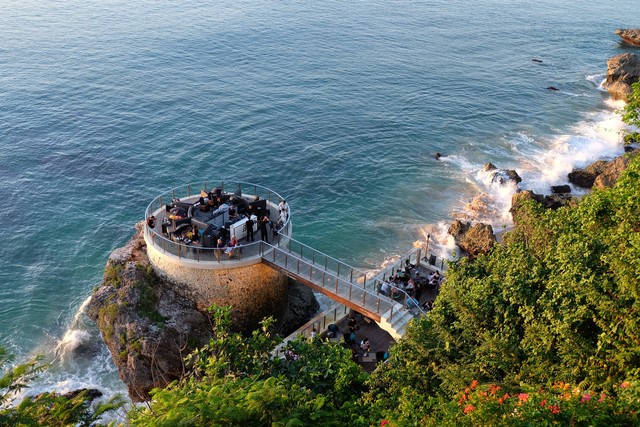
468 408
555 409
523 397
602 397
384 423
625 384
474 384
585 398
544 402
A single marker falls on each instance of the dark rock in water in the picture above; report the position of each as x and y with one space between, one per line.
536 60
560 189
552 88
92 393
501 176
629 148
474 240
622 71
629 36
586 177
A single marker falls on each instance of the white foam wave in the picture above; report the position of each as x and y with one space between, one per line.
597 137
598 80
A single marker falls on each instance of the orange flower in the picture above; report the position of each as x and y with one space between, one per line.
523 397
625 384
469 408
474 384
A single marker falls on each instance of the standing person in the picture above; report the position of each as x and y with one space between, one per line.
250 222
220 246
283 208
264 235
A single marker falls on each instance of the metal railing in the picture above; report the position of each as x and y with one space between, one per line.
191 193
342 285
320 323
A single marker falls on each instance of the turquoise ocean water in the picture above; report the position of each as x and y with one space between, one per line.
338 106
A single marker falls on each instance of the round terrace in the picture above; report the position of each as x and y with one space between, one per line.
176 212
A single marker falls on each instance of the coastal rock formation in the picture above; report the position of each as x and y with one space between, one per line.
586 177
622 71
501 176
474 240
560 189
552 201
630 36
610 174
149 327
601 173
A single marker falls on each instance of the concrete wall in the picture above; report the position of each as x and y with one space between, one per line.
254 291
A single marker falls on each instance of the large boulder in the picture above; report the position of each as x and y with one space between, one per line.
474 240
501 176
630 36
622 71
586 177
612 171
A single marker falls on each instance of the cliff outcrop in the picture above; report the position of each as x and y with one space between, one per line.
149 326
622 71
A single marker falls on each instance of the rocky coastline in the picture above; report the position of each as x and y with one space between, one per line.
149 326
622 71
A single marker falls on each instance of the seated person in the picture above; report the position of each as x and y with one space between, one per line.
385 289
151 222
365 346
233 214
195 234
231 247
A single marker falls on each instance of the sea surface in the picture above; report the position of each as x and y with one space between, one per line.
338 106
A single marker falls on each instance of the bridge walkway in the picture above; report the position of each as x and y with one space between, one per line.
339 281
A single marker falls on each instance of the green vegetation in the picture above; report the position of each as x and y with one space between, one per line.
542 330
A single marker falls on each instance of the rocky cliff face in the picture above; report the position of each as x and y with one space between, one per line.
622 71
149 327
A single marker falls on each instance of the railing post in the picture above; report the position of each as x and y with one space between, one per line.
313 258
351 276
364 294
378 308
338 274
364 283
418 257
350 288
323 278
298 268
391 314
336 285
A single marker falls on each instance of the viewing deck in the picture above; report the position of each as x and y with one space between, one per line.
169 234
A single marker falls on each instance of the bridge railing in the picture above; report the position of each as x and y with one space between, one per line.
341 269
319 274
